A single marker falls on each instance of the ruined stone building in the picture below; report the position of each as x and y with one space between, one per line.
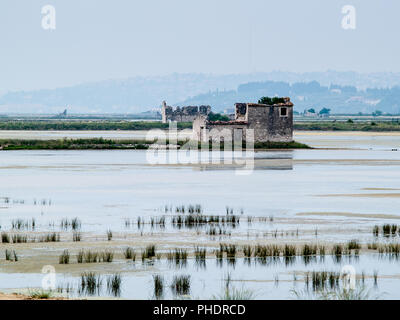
183 114
270 123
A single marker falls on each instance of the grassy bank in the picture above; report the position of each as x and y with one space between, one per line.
348 126
107 144
281 145
73 144
87 125
104 125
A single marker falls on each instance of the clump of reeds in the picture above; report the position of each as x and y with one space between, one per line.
64 257
179 256
181 285
353 245
40 294
387 230
20 224
289 250
76 236
157 221
74 224
219 254
90 283
114 284
262 252
375 277
158 286
19 238
8 255
129 253
90 256
322 279
230 250
50 237
309 250
11 255
247 251
109 235
337 250
79 257
149 252
200 255
392 249
107 256
128 223
5 238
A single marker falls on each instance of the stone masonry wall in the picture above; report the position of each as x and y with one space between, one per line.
183 114
270 123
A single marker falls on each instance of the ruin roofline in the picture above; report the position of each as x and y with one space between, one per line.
231 122
286 103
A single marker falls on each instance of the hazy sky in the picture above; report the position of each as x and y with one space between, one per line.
103 39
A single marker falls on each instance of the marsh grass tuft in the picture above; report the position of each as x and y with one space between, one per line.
158 286
11 255
181 285
200 256
178 256
64 257
50 237
90 283
129 253
107 256
74 224
114 284
19 238
149 252
109 235
5 238
76 236
40 294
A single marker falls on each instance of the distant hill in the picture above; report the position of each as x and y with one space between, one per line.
140 94
306 95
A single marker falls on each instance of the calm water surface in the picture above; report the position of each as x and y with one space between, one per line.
104 188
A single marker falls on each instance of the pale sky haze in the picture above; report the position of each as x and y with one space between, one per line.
102 39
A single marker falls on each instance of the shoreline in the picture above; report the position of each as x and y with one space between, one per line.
118 144
126 125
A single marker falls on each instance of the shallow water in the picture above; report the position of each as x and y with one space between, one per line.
275 279
318 139
105 188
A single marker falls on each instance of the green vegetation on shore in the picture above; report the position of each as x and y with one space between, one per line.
347 126
87 125
105 125
73 144
108 144
280 145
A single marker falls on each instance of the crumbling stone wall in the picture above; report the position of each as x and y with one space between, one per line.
183 114
240 111
269 122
